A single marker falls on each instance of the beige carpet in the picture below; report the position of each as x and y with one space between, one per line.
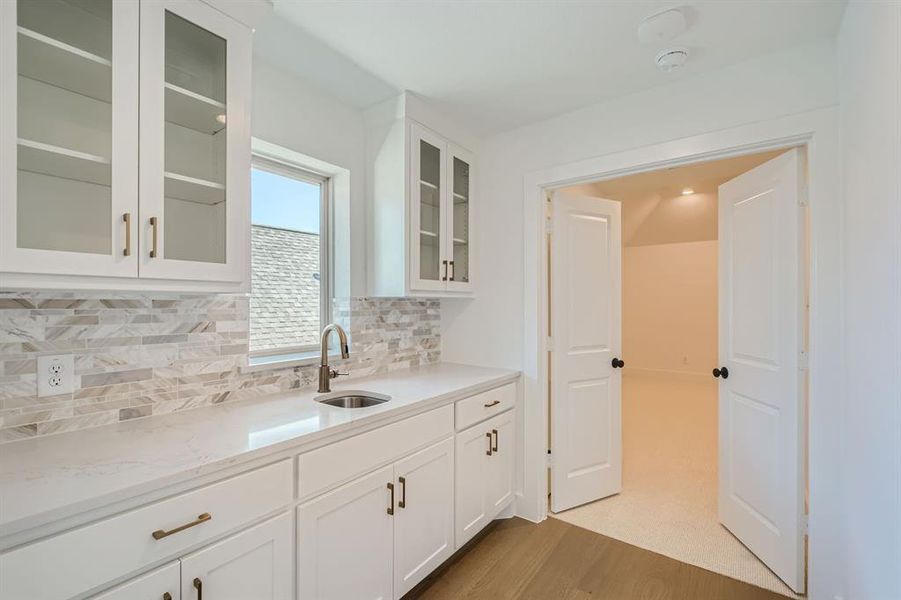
668 502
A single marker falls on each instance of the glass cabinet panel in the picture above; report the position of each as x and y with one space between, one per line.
195 142
64 125
459 266
430 234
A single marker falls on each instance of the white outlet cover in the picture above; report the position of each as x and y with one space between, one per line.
56 375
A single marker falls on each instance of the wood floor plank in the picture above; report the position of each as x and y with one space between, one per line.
522 560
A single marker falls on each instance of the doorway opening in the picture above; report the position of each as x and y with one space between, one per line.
667 493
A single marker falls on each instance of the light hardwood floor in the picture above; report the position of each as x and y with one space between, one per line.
553 559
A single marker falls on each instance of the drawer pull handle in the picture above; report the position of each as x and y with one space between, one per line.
161 533
488 435
494 432
490 404
198 585
403 492
391 505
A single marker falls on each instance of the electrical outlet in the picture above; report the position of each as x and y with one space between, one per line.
55 375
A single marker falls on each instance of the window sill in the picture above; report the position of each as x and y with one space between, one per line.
284 361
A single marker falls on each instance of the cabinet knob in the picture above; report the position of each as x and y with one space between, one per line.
617 363
724 373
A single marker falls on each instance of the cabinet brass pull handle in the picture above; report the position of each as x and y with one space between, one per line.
444 277
167 596
198 585
488 435
494 433
161 533
403 492
153 227
451 263
490 404
391 505
127 219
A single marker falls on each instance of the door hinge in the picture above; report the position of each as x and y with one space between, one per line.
803 360
548 225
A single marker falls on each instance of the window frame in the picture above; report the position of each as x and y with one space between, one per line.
301 172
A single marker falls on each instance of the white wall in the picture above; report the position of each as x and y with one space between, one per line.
670 307
870 76
489 329
291 113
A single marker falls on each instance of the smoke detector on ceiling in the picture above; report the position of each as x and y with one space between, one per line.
662 27
671 59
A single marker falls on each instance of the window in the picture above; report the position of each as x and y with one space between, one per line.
290 274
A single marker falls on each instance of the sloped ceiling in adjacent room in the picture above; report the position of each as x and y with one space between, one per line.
655 211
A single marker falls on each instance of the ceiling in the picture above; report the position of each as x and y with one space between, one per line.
499 64
654 210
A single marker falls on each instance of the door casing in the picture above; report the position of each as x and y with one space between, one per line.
816 133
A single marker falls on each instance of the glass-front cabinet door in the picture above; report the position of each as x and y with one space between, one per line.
195 142
429 262
69 154
459 219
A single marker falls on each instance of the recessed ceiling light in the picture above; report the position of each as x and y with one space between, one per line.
687 191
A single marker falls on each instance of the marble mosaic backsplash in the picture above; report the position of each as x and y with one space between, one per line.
138 355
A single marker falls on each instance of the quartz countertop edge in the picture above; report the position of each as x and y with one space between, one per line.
45 481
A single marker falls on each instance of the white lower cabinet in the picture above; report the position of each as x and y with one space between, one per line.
424 515
484 474
394 526
255 563
162 584
345 541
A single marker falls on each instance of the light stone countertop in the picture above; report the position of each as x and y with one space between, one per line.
48 479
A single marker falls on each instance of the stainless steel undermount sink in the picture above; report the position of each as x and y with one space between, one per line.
352 399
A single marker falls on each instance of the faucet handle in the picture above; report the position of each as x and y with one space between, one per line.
333 373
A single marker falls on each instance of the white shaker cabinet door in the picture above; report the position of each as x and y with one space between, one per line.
345 541
499 488
424 517
472 448
256 563
161 584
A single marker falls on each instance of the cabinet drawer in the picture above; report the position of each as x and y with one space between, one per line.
338 463
84 558
487 404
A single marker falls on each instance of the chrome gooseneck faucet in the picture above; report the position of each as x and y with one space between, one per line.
326 373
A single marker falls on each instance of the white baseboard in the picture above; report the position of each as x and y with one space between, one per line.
692 376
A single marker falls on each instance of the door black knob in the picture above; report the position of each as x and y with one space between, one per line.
724 373
617 363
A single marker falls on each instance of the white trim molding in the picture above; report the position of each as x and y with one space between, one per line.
815 130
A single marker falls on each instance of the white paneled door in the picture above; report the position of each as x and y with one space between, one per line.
586 288
761 429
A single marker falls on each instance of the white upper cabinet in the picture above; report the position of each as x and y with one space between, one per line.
68 137
195 142
422 201
114 179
